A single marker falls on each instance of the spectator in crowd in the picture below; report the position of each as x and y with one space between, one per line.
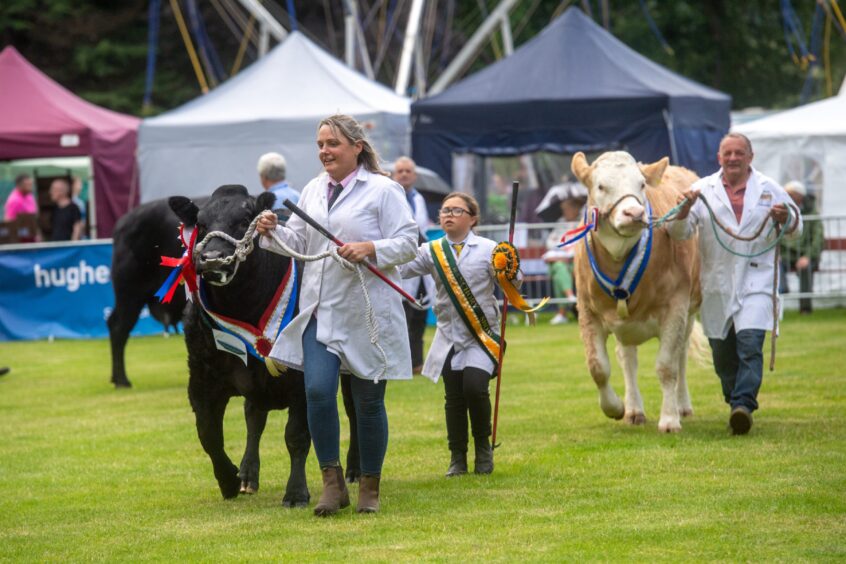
421 287
570 199
368 211
21 200
66 222
737 290
272 169
802 255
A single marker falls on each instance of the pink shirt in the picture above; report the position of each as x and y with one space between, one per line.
19 203
735 196
345 182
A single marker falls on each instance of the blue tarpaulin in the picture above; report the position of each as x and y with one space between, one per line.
574 87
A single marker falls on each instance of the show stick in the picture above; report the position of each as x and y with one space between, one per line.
325 232
515 186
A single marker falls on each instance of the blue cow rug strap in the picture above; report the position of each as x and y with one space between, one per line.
183 267
463 299
626 283
259 339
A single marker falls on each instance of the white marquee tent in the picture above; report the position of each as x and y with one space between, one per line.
808 144
274 105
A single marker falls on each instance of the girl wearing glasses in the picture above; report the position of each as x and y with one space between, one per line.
466 339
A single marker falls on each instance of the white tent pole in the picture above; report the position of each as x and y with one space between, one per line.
92 200
674 154
412 28
472 46
419 69
353 27
266 19
507 39
264 41
349 38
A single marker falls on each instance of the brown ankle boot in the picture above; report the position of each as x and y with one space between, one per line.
368 494
335 495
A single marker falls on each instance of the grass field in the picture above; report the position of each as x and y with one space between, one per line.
90 473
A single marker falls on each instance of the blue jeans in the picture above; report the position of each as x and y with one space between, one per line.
739 362
321 369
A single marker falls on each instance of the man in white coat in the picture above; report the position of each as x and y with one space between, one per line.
737 290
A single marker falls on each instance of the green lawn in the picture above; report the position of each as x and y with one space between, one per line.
90 473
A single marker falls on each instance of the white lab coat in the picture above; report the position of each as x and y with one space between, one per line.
735 289
475 266
371 208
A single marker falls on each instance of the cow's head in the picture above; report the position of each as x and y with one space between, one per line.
230 210
617 188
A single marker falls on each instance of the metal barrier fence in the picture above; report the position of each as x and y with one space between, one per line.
535 240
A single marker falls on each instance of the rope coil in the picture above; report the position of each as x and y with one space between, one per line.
245 245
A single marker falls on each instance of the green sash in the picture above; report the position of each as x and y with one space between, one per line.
463 299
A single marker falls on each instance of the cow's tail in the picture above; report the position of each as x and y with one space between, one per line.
698 349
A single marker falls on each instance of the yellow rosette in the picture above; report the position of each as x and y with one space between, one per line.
506 265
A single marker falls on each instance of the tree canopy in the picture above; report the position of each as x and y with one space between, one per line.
98 48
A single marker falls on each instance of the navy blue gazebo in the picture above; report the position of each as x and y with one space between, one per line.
574 87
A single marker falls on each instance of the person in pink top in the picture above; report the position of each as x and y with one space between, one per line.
21 199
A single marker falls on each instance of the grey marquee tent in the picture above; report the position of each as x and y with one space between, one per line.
273 105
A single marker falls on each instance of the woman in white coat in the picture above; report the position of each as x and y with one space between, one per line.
736 290
461 265
359 204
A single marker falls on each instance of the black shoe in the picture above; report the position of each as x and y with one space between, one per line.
457 464
740 420
484 457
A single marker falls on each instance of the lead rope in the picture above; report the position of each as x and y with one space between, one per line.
245 245
671 216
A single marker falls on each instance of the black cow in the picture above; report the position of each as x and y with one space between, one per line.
241 292
140 239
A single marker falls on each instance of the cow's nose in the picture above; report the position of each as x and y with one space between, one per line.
635 213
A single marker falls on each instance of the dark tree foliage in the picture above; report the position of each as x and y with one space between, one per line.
98 48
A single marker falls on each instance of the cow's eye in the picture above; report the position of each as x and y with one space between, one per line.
601 188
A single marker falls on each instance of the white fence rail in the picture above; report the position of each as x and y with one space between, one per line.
829 283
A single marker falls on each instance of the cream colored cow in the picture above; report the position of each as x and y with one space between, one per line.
664 297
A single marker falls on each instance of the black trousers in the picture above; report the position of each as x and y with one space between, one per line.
416 323
466 392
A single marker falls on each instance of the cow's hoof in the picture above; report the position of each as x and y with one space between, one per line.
635 417
121 384
248 488
353 476
298 501
686 412
229 488
669 426
613 409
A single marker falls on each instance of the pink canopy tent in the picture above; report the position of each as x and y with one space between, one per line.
40 118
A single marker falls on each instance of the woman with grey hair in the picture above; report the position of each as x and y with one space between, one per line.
360 204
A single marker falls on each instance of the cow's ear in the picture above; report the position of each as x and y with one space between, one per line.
266 201
655 171
581 169
185 209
